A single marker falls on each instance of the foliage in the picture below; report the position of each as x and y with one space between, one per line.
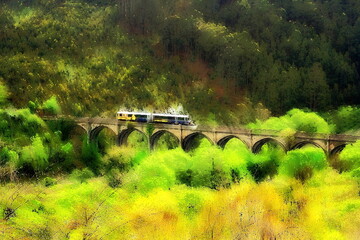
119 158
34 156
265 164
227 62
297 120
9 157
91 157
301 163
350 157
150 129
281 207
4 94
211 56
33 107
346 119
82 175
51 106
114 178
105 140
48 182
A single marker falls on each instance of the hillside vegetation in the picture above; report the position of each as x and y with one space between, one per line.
53 190
226 62
218 57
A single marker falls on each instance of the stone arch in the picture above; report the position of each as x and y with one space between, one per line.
82 127
188 141
124 134
337 149
77 136
78 130
303 143
94 133
222 142
156 136
256 148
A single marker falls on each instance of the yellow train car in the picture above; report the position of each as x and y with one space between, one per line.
133 116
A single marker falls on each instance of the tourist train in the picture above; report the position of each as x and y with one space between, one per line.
154 118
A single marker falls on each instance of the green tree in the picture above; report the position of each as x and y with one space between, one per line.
4 94
316 90
302 163
51 106
35 156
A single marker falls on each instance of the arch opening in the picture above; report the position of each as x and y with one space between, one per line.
163 139
302 144
232 141
133 137
194 140
68 128
337 150
270 143
77 136
103 137
78 129
334 158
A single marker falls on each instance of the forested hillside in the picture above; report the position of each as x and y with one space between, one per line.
284 65
218 58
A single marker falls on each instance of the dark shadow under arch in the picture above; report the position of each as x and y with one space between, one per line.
95 132
157 135
259 144
188 142
122 138
77 136
337 150
78 130
304 143
222 142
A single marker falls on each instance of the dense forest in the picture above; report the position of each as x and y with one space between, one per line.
247 54
289 66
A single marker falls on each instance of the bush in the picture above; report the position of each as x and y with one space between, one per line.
48 181
51 106
346 119
356 173
236 157
265 164
301 163
8 157
150 175
350 157
33 107
3 93
30 125
114 178
91 157
82 175
209 168
62 155
118 158
190 203
295 119
35 156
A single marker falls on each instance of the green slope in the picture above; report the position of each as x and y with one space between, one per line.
219 59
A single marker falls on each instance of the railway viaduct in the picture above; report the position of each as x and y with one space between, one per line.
253 139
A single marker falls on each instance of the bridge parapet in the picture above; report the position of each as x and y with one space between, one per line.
344 138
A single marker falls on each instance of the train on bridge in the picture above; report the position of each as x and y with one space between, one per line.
154 118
